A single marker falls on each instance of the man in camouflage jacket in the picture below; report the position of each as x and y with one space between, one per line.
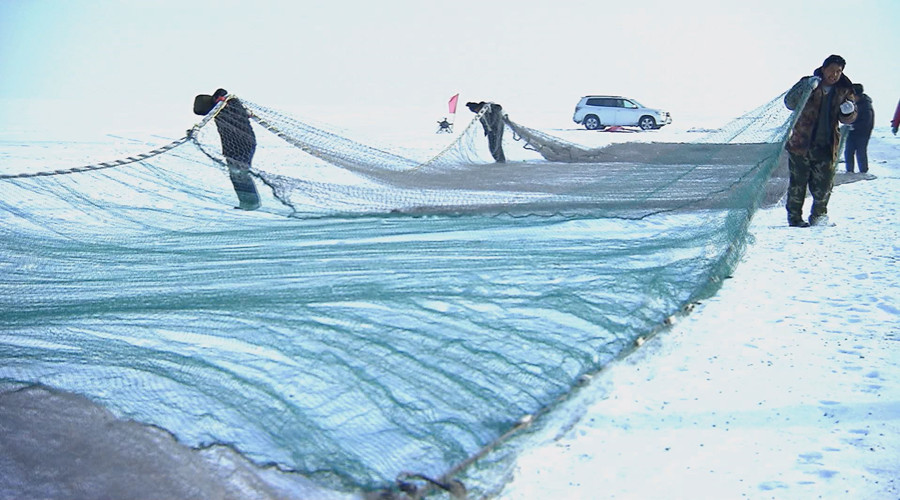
815 138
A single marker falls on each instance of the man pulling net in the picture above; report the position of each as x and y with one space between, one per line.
492 122
238 143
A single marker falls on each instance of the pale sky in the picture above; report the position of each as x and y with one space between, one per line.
119 65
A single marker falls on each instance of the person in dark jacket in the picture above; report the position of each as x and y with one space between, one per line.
238 143
895 123
492 122
814 140
860 132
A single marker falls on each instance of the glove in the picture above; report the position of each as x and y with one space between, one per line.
894 130
848 107
814 82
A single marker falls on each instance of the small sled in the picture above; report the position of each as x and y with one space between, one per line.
444 126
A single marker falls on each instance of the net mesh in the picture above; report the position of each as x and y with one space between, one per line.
416 304
323 173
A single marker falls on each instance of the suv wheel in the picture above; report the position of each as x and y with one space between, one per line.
647 123
591 122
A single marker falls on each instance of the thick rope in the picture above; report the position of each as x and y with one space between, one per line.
123 161
190 135
98 166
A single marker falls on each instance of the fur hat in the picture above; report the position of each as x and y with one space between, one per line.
203 104
857 88
834 59
219 93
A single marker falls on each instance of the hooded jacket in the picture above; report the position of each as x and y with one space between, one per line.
865 118
896 121
802 134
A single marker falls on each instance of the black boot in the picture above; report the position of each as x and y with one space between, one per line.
819 220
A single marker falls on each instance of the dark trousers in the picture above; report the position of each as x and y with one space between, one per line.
244 187
492 121
495 143
856 148
814 170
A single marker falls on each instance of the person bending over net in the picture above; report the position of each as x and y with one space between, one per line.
238 143
492 121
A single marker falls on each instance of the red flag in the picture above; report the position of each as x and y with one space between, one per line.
453 104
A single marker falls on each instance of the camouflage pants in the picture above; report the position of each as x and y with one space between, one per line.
815 170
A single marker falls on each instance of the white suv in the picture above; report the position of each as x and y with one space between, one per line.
601 111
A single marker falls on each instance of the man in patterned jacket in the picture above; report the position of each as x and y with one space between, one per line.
814 141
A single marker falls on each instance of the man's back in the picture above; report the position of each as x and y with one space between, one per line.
865 118
238 139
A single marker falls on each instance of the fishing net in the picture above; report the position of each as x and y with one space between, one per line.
325 173
387 312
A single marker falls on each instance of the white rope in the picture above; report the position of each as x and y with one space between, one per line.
124 161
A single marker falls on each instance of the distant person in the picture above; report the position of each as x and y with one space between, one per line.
814 141
860 131
492 122
238 143
896 121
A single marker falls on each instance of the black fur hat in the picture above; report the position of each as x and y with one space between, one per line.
834 59
203 104
475 106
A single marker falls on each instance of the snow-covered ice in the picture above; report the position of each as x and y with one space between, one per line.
782 385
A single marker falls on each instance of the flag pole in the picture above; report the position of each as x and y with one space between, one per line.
452 107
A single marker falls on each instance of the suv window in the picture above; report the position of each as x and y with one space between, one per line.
604 102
